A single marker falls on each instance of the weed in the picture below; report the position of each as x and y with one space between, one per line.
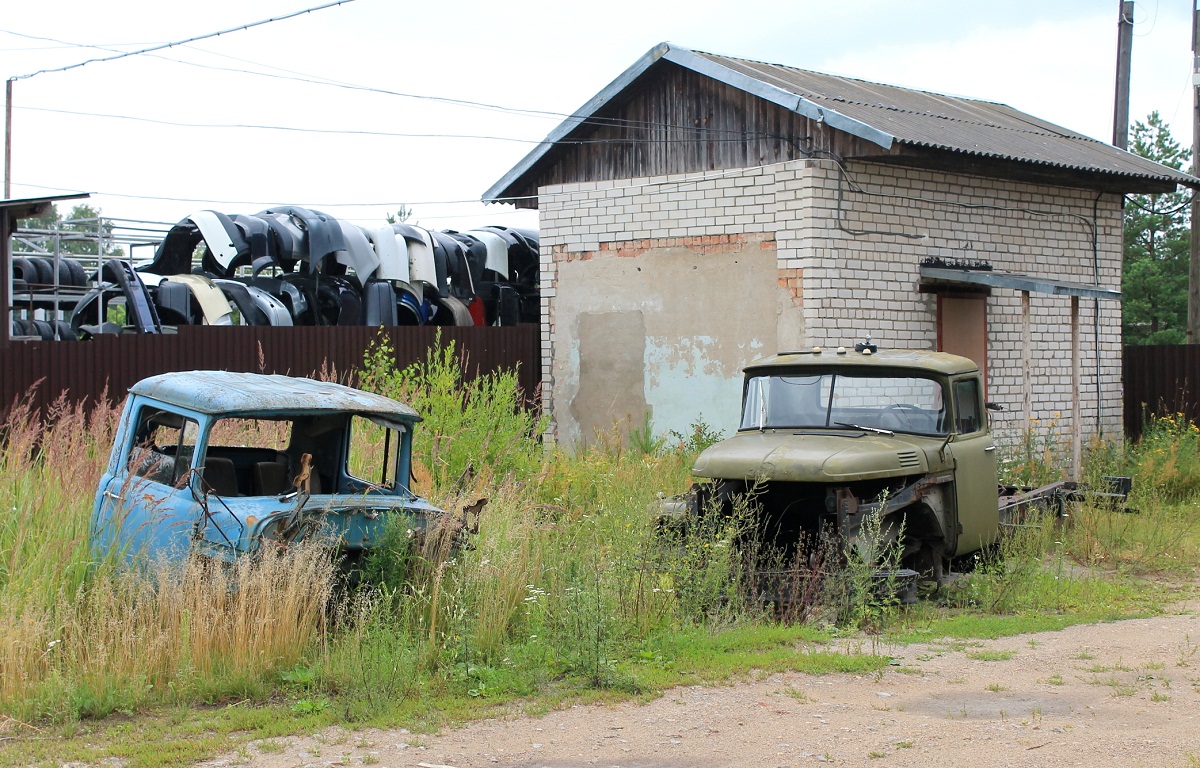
1055 680
1038 457
863 591
310 706
477 427
698 437
642 440
995 687
1187 652
991 655
798 695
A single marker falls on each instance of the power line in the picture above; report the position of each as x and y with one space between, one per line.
61 44
310 79
163 46
363 132
295 129
385 204
8 85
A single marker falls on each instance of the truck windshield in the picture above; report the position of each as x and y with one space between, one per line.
893 403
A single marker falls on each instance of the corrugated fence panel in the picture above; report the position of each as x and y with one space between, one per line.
86 370
1160 379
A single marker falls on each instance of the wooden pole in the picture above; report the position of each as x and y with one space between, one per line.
1026 362
1076 404
8 139
1193 315
1124 56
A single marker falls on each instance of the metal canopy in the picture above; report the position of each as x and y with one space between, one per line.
1016 281
11 211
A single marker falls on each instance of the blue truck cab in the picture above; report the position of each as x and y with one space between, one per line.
224 463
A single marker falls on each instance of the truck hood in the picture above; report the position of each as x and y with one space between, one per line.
821 456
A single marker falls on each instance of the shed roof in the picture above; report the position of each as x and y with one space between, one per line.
30 207
884 115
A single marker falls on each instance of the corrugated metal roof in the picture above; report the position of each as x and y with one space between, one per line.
882 114
952 123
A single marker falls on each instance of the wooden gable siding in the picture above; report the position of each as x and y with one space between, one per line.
675 120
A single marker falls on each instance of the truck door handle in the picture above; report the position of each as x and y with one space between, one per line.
989 449
114 496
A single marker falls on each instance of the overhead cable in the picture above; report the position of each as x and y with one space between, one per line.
163 46
361 132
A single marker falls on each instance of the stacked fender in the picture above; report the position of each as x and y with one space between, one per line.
296 266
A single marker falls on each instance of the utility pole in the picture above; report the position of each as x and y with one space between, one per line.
8 139
1193 317
1124 55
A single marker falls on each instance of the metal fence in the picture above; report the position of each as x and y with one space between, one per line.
1161 379
107 366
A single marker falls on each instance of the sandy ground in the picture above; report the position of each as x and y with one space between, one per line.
1120 694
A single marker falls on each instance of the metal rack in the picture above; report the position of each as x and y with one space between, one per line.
89 242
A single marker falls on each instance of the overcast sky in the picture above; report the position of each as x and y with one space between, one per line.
1052 58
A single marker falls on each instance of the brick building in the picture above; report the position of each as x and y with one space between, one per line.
703 211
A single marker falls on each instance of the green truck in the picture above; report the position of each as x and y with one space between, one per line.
829 438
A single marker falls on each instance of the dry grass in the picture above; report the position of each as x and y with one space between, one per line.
79 637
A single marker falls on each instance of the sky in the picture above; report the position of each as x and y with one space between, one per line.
158 136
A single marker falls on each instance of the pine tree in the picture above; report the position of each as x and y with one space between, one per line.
1157 246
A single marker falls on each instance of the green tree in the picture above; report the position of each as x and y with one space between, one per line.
1157 246
401 216
79 231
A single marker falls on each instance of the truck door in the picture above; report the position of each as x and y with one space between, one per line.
975 490
145 507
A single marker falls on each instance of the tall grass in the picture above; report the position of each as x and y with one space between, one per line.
82 638
568 578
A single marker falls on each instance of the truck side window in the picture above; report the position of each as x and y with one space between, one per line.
164 446
966 406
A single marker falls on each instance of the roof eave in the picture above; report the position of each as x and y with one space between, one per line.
32 207
493 195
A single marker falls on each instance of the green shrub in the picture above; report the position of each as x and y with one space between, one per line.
478 427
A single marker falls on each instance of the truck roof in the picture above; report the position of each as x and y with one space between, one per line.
232 393
914 359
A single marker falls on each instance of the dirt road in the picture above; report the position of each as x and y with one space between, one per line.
1120 694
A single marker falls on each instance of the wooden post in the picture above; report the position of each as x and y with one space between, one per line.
1193 315
1026 362
1076 409
1124 55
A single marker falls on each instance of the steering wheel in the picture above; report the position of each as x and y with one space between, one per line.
898 413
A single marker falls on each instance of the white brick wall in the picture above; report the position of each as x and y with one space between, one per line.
860 274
